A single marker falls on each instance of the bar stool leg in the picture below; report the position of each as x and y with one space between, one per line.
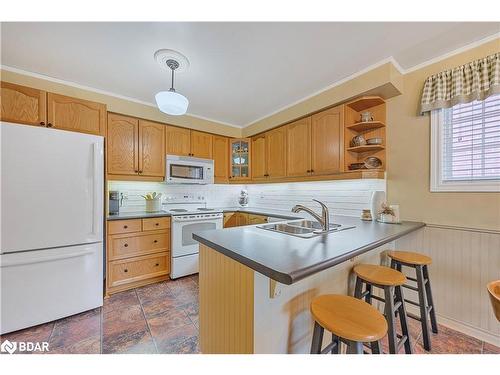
403 319
368 297
336 342
317 339
422 298
358 289
376 347
390 317
355 347
429 299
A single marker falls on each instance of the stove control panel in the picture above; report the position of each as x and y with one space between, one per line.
194 217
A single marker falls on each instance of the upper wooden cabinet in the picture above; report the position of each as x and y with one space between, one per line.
186 142
269 155
239 155
64 112
259 168
29 106
201 144
122 145
276 153
327 141
135 148
178 141
151 149
23 105
221 158
298 146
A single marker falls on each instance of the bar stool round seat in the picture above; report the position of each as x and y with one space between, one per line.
409 257
349 318
379 275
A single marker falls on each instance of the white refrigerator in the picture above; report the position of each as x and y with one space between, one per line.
51 255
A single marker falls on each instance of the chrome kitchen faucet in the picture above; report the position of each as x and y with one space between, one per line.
324 219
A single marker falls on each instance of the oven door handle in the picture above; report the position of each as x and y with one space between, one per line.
174 219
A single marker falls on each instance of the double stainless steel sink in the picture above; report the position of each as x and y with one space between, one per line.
302 228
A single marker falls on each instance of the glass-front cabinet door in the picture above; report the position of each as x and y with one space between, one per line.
240 159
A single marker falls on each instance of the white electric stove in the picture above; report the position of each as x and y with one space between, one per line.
189 214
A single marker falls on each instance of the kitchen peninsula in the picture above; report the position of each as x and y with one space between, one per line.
256 285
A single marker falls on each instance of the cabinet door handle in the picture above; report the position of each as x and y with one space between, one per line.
136 171
125 245
49 125
125 226
312 170
125 270
157 224
42 123
157 264
155 241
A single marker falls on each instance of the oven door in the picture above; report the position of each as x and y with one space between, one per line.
182 235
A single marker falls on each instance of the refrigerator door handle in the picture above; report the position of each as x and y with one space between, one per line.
42 259
96 180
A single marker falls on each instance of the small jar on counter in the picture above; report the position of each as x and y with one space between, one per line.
366 215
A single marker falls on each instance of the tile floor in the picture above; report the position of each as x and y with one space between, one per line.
163 318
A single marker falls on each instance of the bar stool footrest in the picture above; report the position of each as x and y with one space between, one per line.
410 287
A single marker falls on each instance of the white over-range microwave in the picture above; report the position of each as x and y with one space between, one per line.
189 170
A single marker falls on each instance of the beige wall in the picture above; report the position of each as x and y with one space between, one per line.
118 105
384 80
408 155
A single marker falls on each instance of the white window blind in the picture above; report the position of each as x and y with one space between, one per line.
470 142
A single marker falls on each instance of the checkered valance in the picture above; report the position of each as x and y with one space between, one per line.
473 81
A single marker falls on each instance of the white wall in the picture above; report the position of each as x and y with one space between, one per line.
216 195
347 197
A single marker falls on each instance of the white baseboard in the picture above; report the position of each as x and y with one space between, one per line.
462 327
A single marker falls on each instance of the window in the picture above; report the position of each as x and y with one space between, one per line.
465 147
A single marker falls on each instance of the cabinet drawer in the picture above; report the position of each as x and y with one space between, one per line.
256 219
156 223
124 226
130 245
139 268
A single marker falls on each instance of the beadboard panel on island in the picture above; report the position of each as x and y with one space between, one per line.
463 262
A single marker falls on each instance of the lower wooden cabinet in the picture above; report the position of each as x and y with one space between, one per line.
238 219
138 253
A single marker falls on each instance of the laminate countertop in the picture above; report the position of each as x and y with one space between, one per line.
280 214
288 259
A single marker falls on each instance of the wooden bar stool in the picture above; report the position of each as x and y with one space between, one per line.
350 320
419 262
494 292
390 281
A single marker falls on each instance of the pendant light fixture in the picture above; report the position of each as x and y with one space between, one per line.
171 102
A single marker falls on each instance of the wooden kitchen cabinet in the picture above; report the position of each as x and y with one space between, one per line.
135 149
137 253
276 153
178 141
67 113
254 219
240 161
151 149
122 145
269 155
327 141
231 219
221 158
298 146
259 171
23 105
201 144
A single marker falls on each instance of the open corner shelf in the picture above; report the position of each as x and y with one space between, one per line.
366 148
365 102
366 126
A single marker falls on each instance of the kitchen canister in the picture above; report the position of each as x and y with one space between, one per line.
153 205
378 197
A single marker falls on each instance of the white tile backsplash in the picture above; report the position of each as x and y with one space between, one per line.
346 197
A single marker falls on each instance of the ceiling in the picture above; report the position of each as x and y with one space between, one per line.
239 72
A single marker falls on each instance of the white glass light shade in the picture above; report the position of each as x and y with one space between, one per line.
171 103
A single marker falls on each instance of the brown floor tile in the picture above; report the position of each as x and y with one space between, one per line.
178 340
491 349
448 341
160 325
155 305
120 301
38 333
131 341
91 345
192 310
116 322
76 330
